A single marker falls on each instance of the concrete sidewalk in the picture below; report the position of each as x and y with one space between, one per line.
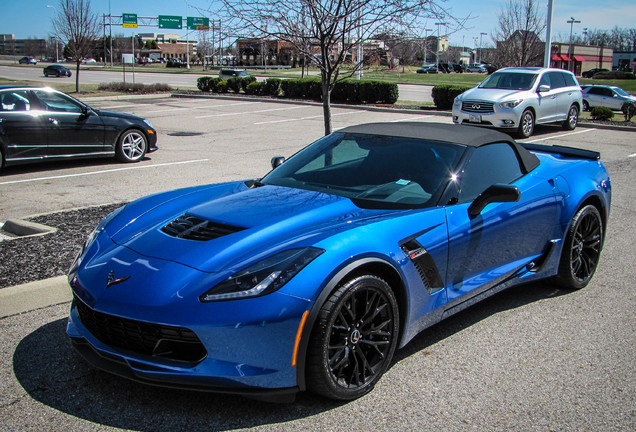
34 295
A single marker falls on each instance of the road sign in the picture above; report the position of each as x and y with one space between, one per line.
198 23
129 20
170 22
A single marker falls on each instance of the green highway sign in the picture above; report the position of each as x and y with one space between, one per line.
198 23
170 22
129 20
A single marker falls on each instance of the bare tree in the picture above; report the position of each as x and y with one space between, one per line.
517 35
328 32
78 27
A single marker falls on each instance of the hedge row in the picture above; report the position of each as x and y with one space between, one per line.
348 91
614 75
443 95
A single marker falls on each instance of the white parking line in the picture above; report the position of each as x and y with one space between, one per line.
410 118
200 107
558 136
305 118
632 155
103 171
249 112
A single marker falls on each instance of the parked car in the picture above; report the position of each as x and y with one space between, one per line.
428 69
27 60
312 276
89 60
232 73
477 67
608 96
518 98
590 73
61 127
56 70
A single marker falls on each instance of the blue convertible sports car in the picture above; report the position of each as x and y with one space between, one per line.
311 277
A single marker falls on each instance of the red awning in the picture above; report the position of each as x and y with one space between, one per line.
634 63
579 58
566 58
556 57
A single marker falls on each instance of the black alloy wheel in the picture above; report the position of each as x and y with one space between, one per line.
354 339
582 249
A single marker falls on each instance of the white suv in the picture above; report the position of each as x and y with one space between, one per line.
519 98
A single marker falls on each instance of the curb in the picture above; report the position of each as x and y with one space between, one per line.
34 295
22 228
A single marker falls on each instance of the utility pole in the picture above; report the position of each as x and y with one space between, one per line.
438 24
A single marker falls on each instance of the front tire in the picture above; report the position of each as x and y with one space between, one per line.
354 339
582 249
573 118
526 124
131 146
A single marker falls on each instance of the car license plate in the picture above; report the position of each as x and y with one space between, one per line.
474 118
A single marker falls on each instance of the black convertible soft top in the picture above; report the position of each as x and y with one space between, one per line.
469 136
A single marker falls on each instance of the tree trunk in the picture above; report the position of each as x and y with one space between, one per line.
326 105
77 88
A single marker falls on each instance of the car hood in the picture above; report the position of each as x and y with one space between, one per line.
260 221
495 95
102 113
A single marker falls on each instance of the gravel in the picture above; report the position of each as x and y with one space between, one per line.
28 259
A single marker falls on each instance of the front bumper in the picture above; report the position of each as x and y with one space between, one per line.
245 346
499 118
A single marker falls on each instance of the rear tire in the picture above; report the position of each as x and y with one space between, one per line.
586 106
573 118
526 124
581 249
354 339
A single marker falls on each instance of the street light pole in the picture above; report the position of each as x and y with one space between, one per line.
425 44
438 24
480 35
571 21
187 38
55 37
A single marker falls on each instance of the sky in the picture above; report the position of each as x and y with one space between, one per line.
32 18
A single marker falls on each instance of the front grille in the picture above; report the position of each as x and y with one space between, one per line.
169 342
480 107
194 228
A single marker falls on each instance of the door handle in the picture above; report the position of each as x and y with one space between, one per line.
54 121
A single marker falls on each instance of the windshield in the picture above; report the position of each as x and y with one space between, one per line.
620 91
510 81
386 170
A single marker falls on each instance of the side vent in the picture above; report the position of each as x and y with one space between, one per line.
424 264
193 228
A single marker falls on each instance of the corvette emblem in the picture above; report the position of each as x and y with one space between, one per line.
111 281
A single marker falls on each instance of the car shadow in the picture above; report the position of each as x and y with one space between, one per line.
52 373
52 167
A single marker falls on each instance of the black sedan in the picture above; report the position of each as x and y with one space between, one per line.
41 124
57 71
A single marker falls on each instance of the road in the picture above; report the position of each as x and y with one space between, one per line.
534 358
408 92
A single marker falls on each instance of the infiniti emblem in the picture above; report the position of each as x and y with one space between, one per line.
475 106
111 281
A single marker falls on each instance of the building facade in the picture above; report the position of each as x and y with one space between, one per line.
580 58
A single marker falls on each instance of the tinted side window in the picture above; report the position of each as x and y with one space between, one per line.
608 92
594 90
57 102
14 100
556 78
545 80
494 163
570 81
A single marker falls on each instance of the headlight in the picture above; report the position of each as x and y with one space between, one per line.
457 102
263 277
149 123
511 104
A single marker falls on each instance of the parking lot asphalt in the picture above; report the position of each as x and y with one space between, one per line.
534 358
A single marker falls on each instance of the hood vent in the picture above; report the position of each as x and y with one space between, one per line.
193 228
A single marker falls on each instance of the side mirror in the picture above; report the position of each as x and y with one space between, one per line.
544 88
495 193
277 161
